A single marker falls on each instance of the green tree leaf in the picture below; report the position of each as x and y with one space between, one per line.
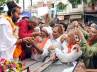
61 6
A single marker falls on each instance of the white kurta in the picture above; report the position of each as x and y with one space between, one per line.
7 39
62 52
64 56
67 57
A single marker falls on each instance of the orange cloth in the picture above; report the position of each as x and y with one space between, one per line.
41 45
69 48
18 51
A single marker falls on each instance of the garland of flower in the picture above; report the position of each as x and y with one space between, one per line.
10 66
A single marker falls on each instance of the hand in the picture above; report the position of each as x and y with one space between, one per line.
28 39
63 37
52 47
75 23
36 33
52 57
76 47
80 68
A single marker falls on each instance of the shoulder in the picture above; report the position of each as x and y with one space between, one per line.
3 21
49 41
22 23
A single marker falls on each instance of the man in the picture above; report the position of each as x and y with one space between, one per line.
26 26
26 29
8 31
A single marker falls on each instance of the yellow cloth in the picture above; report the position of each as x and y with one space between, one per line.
15 28
18 49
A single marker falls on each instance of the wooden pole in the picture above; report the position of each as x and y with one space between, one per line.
23 4
43 66
31 2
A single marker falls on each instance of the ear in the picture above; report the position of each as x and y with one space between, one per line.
13 11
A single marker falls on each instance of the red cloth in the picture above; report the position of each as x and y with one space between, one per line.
69 47
23 29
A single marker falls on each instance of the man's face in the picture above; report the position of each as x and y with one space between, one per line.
36 20
16 15
32 25
44 33
77 38
92 31
56 33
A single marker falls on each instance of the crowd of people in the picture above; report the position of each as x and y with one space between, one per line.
37 39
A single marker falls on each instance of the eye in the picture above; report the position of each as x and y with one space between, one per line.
77 38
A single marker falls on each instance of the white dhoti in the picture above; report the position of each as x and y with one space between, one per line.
64 56
8 54
7 39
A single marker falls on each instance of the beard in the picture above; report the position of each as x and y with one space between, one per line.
14 19
30 27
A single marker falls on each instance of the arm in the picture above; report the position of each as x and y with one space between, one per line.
35 43
67 57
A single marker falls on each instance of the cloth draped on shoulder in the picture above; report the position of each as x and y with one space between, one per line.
18 49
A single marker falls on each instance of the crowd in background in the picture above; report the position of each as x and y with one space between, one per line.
36 38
